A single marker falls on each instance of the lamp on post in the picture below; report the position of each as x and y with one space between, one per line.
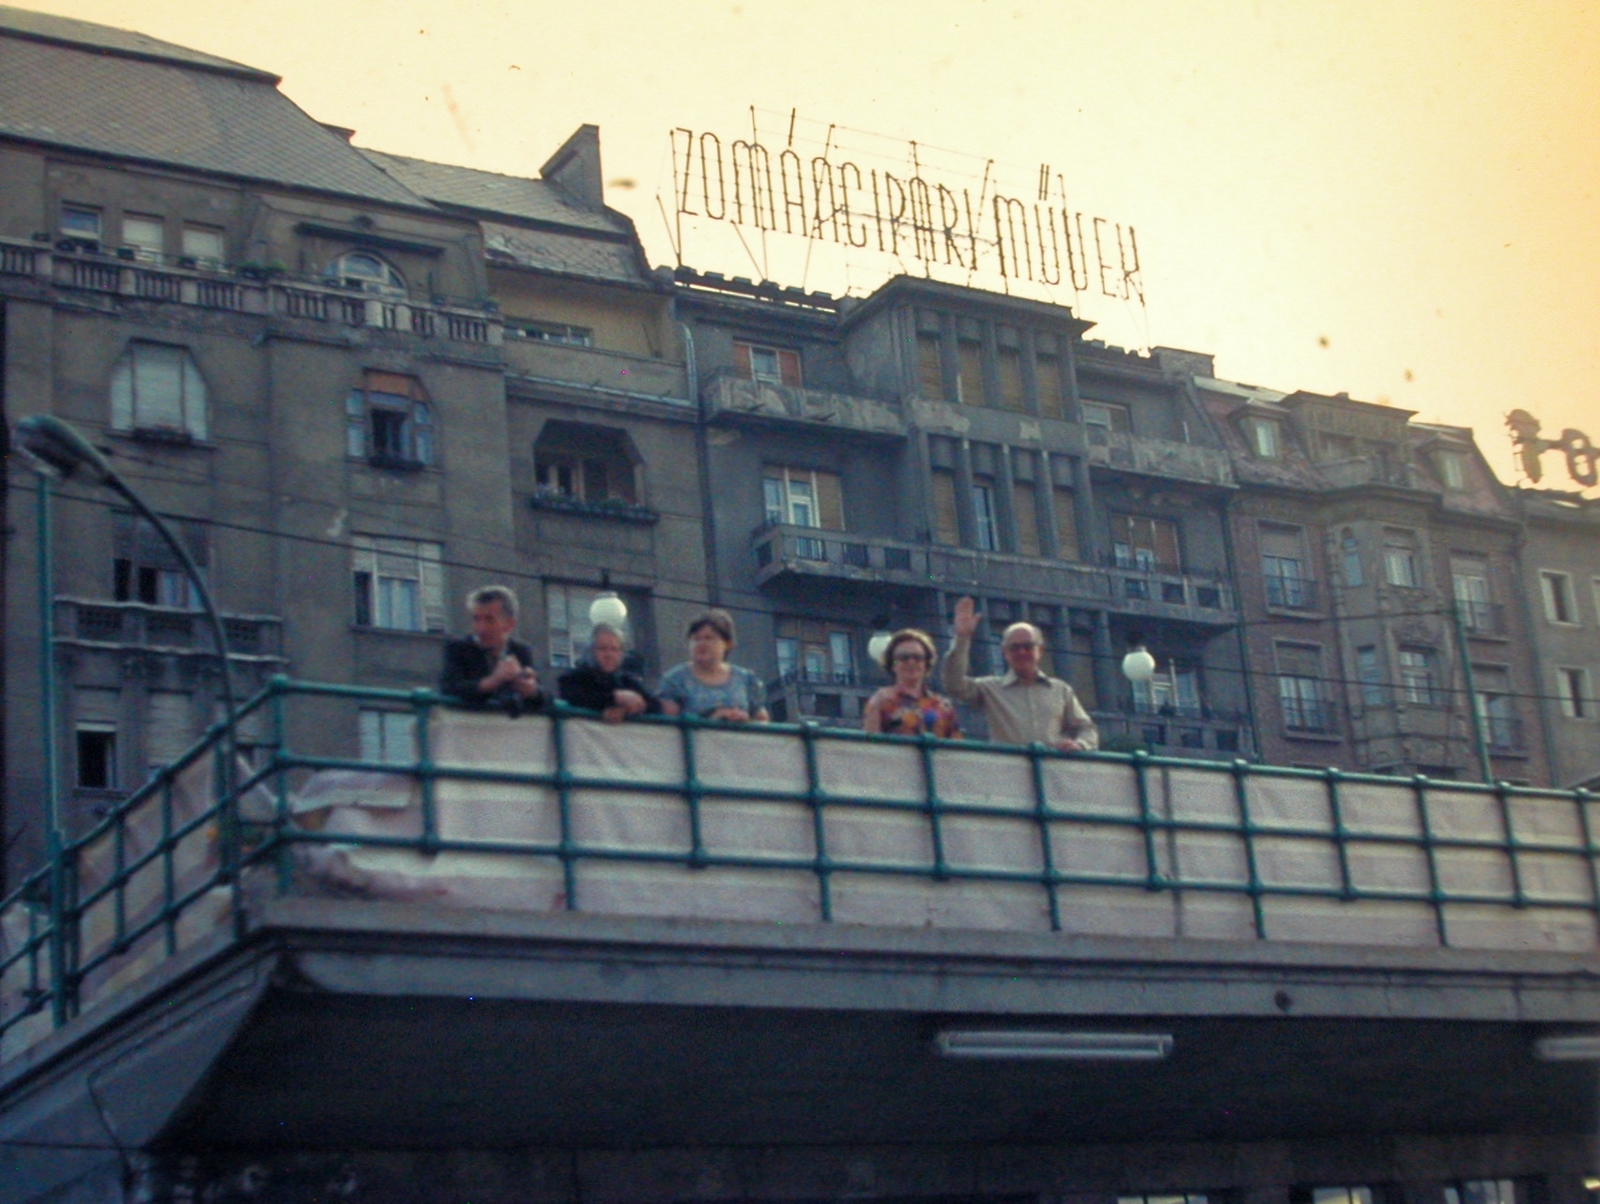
1138 665
608 608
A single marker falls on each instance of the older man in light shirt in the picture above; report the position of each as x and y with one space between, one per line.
1023 705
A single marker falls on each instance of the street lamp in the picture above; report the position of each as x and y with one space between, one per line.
1138 665
608 609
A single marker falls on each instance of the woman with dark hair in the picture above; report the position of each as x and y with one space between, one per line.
706 684
909 707
602 684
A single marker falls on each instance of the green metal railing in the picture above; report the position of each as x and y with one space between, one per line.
166 857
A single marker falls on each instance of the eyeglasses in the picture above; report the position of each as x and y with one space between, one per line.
911 656
1019 646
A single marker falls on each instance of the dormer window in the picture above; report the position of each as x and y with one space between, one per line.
772 365
365 271
1265 437
1451 466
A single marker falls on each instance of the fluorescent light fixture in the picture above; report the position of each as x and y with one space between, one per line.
1048 1044
1569 1047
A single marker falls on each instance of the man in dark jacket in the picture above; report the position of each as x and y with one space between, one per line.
603 684
488 670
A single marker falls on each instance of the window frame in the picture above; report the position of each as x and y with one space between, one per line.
108 755
780 484
94 212
373 604
389 283
1558 600
1418 667
201 259
143 250
1576 693
1393 549
786 360
417 423
130 416
378 728
568 631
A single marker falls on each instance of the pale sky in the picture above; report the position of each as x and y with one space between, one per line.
1398 201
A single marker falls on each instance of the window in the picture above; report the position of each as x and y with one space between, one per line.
969 382
1174 692
946 526
1481 1191
815 651
566 609
1451 466
1047 373
930 366
367 272
1350 553
203 244
170 727
983 508
146 569
1066 523
1417 678
1572 685
802 497
1400 559
1008 362
1147 544
1559 606
158 389
1166 1198
1469 579
1339 447
1300 692
1025 508
1283 567
387 737
97 756
1341 1195
1264 440
1103 419
1497 711
145 234
585 463
545 332
399 583
389 422
1369 672
774 365
80 222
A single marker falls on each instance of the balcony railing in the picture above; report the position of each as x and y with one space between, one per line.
99 622
1310 716
1290 593
727 394
810 549
1160 457
206 284
777 824
1482 618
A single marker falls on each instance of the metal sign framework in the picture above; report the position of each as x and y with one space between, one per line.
917 214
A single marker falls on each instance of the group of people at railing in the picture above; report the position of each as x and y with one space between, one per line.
490 670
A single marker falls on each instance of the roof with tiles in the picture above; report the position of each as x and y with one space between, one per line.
488 193
106 91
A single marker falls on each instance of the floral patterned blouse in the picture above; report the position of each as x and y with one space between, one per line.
907 715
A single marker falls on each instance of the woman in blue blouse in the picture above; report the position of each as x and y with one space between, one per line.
706 684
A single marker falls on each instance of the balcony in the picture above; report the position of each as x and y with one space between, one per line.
93 623
188 281
1373 470
1310 717
1160 458
1196 732
729 396
1290 593
592 369
812 552
1485 620
547 498
1168 593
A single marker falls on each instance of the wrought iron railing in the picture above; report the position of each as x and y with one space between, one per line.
815 818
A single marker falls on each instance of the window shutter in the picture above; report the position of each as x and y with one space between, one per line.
789 367
741 361
1048 373
194 399
1011 380
169 726
971 382
947 530
1284 542
430 573
1166 545
1025 508
1296 660
158 386
122 393
930 372
364 576
830 502
1066 525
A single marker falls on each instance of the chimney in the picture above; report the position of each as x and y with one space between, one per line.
575 168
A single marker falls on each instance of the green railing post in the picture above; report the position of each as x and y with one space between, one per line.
1047 861
1480 745
55 833
1334 775
1419 787
563 782
692 793
1591 851
815 797
283 854
422 700
1247 830
1140 760
941 869
1502 792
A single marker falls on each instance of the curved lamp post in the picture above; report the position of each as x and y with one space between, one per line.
58 450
